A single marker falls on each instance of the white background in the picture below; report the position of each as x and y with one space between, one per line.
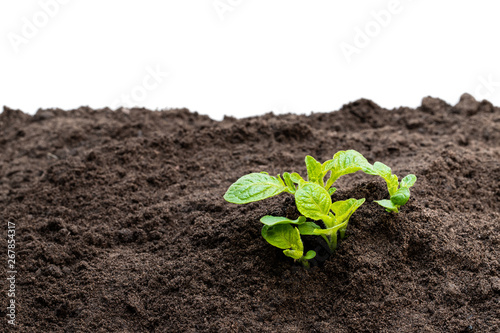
246 57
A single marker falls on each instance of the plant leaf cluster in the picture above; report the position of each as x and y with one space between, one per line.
313 198
399 192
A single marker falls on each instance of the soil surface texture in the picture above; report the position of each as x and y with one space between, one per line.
121 225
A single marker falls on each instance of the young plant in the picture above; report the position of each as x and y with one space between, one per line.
399 192
313 200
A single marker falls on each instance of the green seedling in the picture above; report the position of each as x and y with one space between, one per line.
399 192
313 200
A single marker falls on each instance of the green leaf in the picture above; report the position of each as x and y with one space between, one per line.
386 173
254 187
329 231
295 177
401 196
310 254
345 162
274 220
295 254
331 190
302 183
388 205
323 231
308 228
382 170
283 236
314 170
370 170
344 209
392 184
313 201
408 181
289 183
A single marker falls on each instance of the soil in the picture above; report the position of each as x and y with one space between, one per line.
121 225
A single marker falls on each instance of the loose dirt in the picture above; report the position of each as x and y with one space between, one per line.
121 225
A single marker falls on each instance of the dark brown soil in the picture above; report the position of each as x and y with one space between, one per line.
121 224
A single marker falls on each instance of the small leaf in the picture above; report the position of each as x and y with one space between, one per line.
314 170
322 231
388 205
302 183
295 254
401 196
283 236
329 231
392 184
330 221
408 181
368 169
289 183
308 228
386 173
254 187
274 220
344 209
382 170
295 177
313 201
310 254
343 163
331 190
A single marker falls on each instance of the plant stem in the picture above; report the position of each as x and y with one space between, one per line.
333 242
304 262
342 233
326 240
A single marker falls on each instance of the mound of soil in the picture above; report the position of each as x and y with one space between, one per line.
121 225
